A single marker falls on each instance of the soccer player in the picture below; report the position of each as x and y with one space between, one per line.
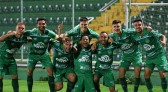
130 54
83 67
103 66
62 60
39 52
13 40
153 43
76 33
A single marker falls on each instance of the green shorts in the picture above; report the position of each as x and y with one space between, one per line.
84 82
108 78
8 66
135 59
160 62
44 59
60 73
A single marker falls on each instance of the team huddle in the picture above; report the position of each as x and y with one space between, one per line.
72 56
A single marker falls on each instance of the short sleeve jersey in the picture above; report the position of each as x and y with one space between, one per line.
76 34
61 58
40 41
128 44
83 61
11 45
150 40
104 56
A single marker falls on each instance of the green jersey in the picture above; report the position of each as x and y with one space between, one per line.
128 45
61 58
150 40
40 41
104 56
11 45
83 61
76 34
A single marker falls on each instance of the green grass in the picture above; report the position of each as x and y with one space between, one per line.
42 86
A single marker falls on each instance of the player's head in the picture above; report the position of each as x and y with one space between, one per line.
103 39
41 24
84 41
20 28
116 25
84 24
67 43
138 25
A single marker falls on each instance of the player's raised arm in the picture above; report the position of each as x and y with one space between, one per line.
163 40
148 27
60 28
10 33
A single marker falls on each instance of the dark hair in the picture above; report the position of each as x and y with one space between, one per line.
85 35
39 19
137 20
116 22
83 19
67 39
103 32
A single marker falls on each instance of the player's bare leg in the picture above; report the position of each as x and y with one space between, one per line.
71 82
96 83
58 86
112 89
15 83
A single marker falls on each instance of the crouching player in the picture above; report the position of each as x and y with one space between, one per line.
104 62
62 59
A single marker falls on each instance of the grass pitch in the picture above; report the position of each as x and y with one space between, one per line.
42 86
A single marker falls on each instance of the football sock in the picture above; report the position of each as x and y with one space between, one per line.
29 83
149 84
164 84
124 84
15 85
51 83
136 85
1 85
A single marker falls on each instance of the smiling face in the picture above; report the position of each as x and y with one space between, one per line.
103 38
41 24
85 41
67 46
84 26
20 28
138 25
117 27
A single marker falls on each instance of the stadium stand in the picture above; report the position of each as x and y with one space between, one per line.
55 11
58 10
